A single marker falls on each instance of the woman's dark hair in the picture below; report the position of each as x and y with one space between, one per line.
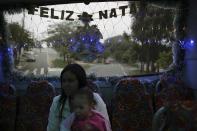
80 74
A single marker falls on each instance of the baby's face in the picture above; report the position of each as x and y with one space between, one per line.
81 105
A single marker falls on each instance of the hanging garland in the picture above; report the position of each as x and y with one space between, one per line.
6 61
68 15
6 54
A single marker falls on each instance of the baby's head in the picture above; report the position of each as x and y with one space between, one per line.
83 102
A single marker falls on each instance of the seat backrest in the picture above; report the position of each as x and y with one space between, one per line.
171 92
7 89
93 87
34 107
177 117
7 107
132 108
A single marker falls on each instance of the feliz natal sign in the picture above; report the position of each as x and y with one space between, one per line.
68 15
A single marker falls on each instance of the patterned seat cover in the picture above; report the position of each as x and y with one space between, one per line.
132 108
34 107
171 91
181 116
7 107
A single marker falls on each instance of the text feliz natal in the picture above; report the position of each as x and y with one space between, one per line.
68 15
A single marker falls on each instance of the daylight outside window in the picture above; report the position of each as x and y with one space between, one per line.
106 38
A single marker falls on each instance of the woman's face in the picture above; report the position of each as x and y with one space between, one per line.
70 83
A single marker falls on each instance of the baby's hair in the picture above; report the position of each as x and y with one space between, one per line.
88 93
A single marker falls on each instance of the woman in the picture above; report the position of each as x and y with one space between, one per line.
73 78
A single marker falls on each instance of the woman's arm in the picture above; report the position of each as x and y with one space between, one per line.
53 120
101 106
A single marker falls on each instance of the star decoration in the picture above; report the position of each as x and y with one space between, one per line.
85 17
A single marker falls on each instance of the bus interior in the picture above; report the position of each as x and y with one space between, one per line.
139 56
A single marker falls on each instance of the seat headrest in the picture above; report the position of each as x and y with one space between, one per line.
8 89
36 87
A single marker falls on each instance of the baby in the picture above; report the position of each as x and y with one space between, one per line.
84 118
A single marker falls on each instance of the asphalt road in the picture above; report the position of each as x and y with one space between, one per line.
113 69
44 58
39 67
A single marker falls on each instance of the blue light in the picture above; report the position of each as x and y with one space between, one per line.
99 47
9 50
187 44
192 42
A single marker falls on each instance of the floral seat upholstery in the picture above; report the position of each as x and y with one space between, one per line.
132 108
171 90
34 107
181 116
7 107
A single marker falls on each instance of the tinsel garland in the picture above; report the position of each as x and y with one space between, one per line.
180 24
180 44
6 54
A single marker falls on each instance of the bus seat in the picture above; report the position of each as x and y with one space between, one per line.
171 92
34 107
181 116
132 108
93 87
149 87
7 107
